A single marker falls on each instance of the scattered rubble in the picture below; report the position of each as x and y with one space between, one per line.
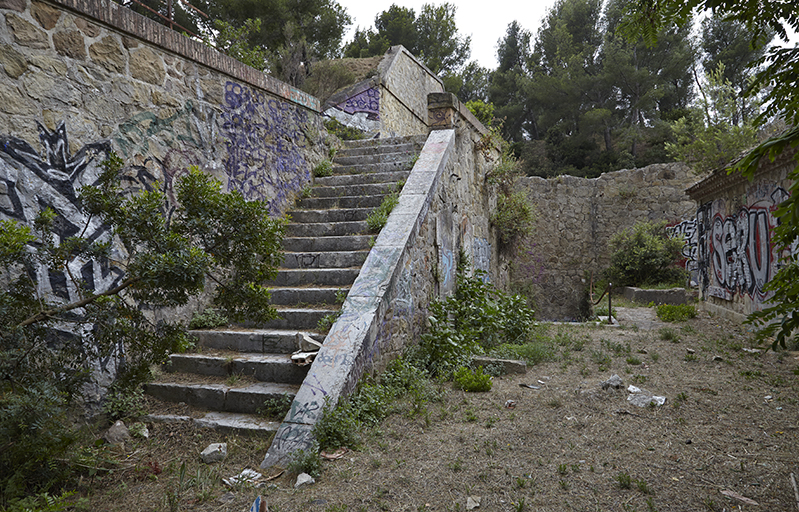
117 434
473 502
248 475
614 382
304 479
215 452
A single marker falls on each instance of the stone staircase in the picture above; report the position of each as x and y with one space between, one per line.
237 369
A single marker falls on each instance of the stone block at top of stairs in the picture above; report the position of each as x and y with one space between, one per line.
301 319
327 243
263 341
330 215
404 165
331 259
404 147
315 276
295 295
367 158
262 367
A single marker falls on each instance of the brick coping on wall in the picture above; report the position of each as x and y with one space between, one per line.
123 19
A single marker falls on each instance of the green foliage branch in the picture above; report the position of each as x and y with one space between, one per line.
48 346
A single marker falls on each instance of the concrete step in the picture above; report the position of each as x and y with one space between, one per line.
315 276
334 259
262 367
223 421
332 215
372 150
328 243
263 341
367 189
221 397
304 319
372 168
294 296
320 203
360 179
317 229
373 157
417 140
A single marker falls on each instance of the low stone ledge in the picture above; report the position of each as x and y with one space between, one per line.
668 296
508 366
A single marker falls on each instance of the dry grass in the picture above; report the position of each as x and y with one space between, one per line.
566 446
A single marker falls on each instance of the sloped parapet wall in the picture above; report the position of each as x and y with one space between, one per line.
81 78
443 209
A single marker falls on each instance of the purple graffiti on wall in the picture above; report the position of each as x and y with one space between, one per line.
265 142
367 101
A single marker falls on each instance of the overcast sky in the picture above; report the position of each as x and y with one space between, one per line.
485 22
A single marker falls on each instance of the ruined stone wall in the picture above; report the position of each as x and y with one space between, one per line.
575 218
404 85
81 78
733 235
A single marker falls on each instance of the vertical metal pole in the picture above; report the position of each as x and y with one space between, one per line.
169 13
610 311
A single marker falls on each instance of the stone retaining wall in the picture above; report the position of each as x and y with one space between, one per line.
575 219
81 78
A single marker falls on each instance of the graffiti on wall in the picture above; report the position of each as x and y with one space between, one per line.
52 179
265 140
734 254
686 232
367 102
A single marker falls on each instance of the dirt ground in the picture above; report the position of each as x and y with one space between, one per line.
725 439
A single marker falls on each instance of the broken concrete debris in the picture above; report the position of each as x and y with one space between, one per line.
117 434
304 479
614 382
214 452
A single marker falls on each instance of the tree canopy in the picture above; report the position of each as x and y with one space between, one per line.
432 36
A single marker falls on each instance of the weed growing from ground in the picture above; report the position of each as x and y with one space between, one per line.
306 461
624 480
472 380
676 312
208 319
323 169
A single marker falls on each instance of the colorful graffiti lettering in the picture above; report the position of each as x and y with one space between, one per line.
265 139
740 251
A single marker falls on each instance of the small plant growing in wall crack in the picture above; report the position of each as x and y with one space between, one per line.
378 218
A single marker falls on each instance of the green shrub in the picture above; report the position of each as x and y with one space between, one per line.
343 132
325 168
208 319
276 407
379 216
676 312
644 255
338 426
472 380
475 318
513 217
306 461
121 404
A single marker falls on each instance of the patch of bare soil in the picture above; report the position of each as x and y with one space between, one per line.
726 437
